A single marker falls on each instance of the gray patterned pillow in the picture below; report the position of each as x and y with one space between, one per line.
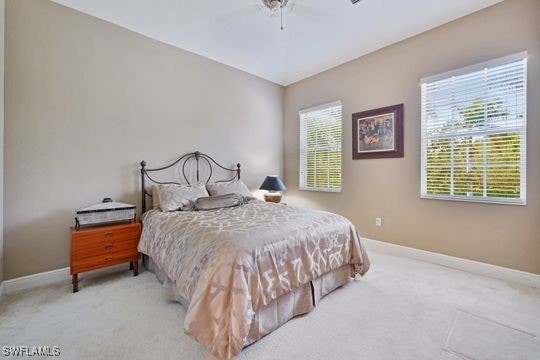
218 202
174 197
230 187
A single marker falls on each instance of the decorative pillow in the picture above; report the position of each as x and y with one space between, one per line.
174 197
155 199
231 187
218 202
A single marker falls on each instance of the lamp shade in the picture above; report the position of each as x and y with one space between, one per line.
272 183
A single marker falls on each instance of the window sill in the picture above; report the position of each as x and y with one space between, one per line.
498 201
321 190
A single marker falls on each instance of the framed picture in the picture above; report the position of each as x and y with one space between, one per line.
378 133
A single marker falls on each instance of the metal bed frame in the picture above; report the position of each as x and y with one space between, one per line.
197 156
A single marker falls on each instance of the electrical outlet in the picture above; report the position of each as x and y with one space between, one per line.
378 221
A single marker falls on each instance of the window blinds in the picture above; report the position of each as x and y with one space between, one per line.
474 124
320 148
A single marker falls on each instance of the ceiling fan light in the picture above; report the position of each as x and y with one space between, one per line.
276 8
275 5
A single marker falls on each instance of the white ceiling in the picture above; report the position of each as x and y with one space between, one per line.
318 35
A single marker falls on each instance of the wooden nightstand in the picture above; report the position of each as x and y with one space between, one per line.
101 246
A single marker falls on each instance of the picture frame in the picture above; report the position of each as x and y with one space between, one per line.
378 133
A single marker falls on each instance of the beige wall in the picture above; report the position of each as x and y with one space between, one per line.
2 5
498 234
86 101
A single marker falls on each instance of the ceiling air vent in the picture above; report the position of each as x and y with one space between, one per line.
354 2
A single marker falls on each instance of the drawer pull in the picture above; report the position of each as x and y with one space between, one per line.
108 234
108 246
108 259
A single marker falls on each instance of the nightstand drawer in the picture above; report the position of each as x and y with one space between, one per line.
96 262
89 249
89 237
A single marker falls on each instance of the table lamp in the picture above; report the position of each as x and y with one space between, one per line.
274 185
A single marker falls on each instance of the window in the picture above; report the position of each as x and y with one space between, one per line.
474 124
320 148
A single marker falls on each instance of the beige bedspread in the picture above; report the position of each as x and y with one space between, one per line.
227 263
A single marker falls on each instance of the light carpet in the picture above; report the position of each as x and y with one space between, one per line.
402 309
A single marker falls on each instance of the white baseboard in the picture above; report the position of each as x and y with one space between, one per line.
53 277
35 280
475 267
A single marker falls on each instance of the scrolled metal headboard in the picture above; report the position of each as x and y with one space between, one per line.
197 156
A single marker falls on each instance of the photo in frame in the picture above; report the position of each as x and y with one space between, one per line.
378 133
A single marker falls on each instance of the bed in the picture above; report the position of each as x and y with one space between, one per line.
242 272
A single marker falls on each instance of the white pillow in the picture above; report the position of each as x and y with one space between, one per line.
230 187
174 197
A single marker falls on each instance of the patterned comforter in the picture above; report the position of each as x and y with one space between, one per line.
227 263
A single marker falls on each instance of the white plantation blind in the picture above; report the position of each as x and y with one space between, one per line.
474 127
320 148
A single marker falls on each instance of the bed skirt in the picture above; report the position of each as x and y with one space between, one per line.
270 317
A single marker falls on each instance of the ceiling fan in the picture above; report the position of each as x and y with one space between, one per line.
277 8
